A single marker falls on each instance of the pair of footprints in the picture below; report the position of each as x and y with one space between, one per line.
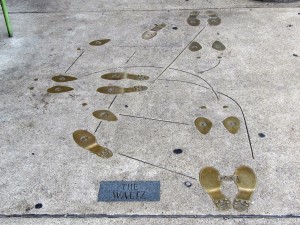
245 180
217 45
122 90
58 88
106 89
192 20
232 124
213 20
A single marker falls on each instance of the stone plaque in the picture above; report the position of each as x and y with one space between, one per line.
129 191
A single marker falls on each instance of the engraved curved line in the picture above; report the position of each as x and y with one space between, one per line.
247 130
232 99
195 75
123 67
185 82
210 68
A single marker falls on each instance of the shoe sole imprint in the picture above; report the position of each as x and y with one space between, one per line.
246 184
88 141
105 115
153 32
210 181
63 78
232 124
192 19
213 20
120 90
217 45
195 46
59 89
99 42
203 125
120 76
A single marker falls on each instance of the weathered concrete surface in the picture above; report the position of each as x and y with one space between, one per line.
40 162
148 221
161 5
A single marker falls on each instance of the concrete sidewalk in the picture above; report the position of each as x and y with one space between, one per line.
46 178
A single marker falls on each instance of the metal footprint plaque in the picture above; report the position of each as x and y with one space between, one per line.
120 90
59 89
120 76
217 45
99 42
105 115
63 78
195 46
